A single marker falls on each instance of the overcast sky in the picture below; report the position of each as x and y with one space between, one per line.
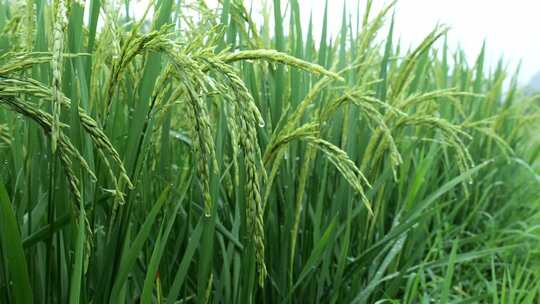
510 27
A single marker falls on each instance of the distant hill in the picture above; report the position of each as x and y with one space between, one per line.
534 83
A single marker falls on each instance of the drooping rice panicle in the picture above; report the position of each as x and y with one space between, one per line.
57 66
278 57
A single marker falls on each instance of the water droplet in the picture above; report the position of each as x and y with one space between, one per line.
261 123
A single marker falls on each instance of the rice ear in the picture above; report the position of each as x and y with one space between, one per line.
11 88
66 151
5 135
278 57
57 67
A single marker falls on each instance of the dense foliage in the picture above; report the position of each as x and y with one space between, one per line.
194 155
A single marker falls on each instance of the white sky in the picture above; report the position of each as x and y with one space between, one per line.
510 27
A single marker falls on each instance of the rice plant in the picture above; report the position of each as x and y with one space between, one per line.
195 155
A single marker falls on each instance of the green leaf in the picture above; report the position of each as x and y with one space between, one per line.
76 276
12 249
180 276
130 254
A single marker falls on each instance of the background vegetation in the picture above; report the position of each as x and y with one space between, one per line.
194 156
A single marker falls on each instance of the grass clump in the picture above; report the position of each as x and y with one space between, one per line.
209 159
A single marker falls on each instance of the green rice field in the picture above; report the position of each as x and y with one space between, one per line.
218 155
